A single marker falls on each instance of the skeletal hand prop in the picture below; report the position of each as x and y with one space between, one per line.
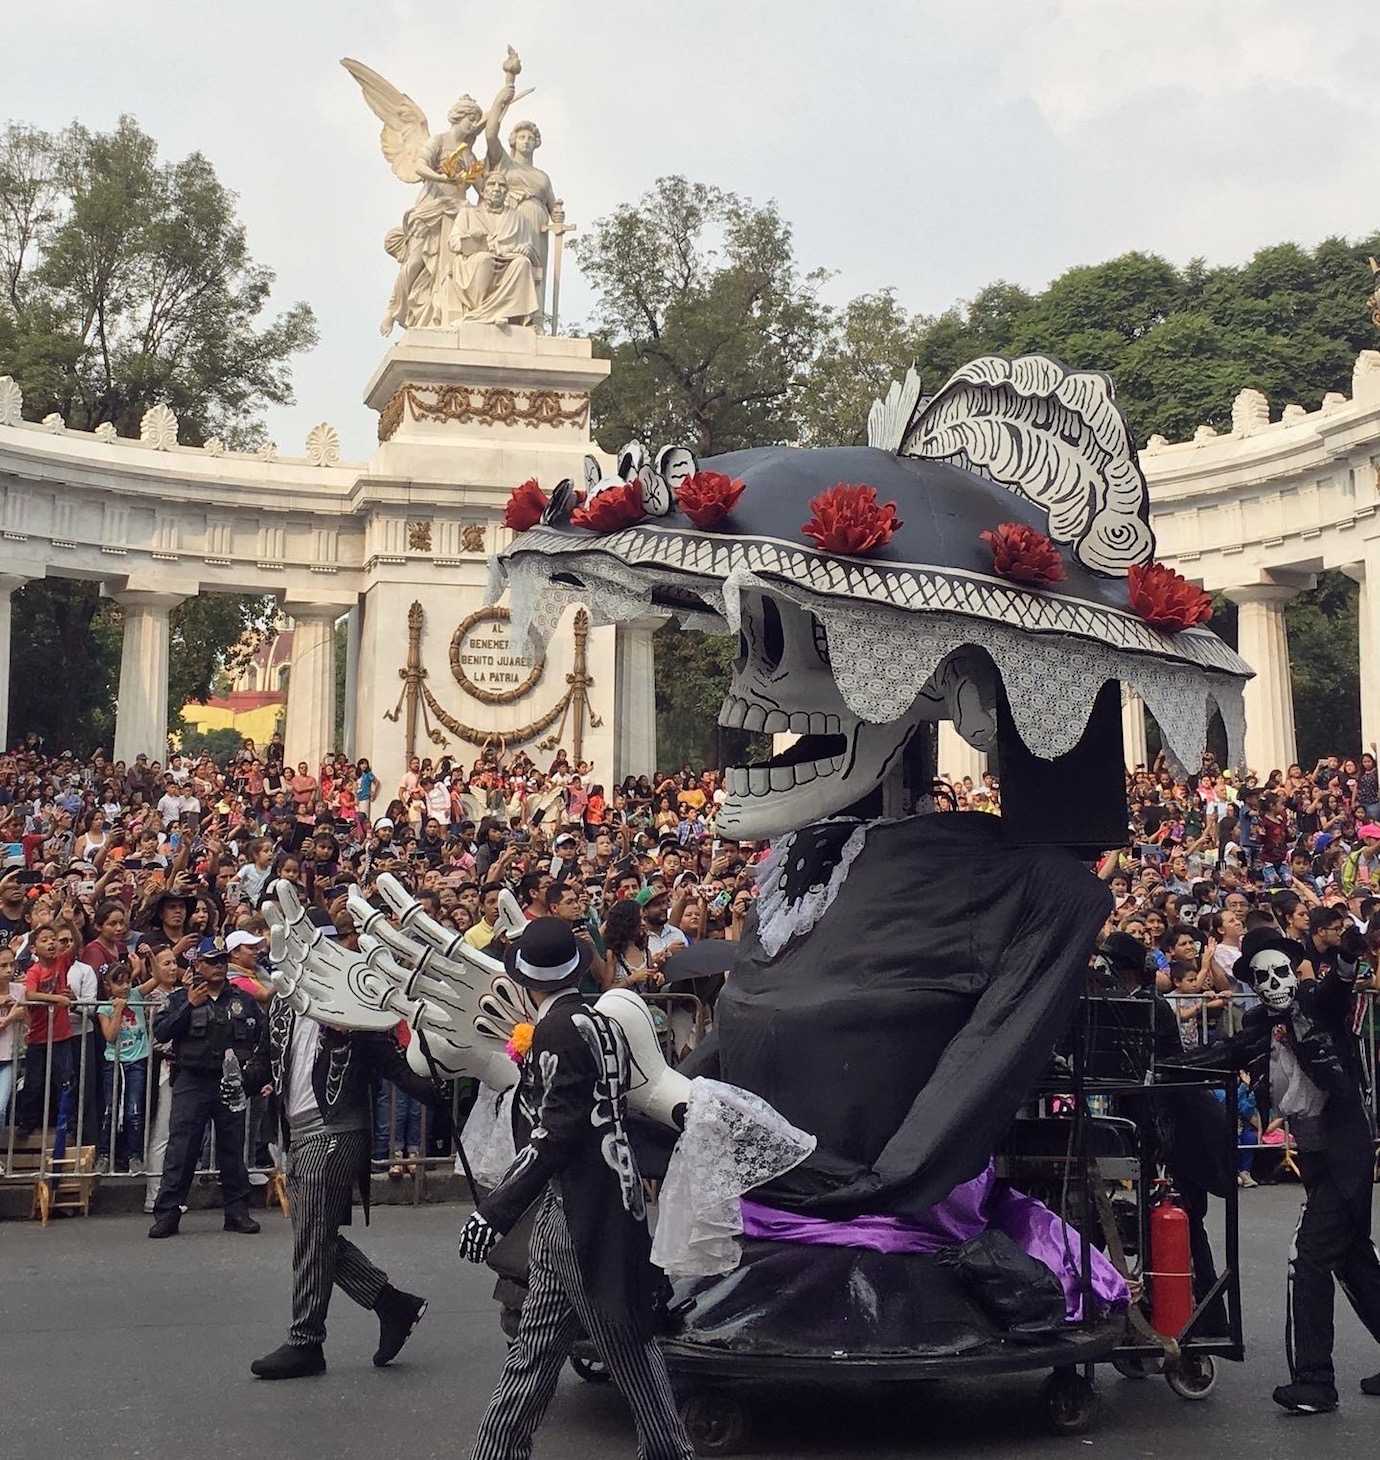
457 999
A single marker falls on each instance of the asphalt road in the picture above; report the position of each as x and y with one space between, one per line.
117 1346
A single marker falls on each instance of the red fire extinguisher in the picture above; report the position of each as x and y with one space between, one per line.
1171 1268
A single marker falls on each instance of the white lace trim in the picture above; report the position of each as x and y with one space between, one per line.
488 1135
778 918
733 1142
881 655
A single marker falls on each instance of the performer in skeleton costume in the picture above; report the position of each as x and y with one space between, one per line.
985 560
1307 1028
590 1265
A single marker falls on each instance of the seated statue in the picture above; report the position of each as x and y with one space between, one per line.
497 252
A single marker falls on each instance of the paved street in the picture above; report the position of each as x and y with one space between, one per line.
119 1346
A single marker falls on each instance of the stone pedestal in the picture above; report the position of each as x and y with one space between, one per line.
466 414
9 581
1263 642
141 721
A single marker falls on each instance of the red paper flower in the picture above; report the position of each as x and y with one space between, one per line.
708 497
1165 599
848 519
525 506
617 507
1023 554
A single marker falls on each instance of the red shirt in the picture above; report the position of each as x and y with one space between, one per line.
50 978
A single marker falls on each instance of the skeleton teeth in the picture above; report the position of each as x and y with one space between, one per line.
800 722
824 767
782 778
804 774
816 722
837 762
759 780
777 722
755 718
832 725
732 713
737 781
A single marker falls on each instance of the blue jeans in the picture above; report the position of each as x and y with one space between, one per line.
405 1135
6 1090
53 1072
126 1106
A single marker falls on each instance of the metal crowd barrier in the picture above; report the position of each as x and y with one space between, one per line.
50 1133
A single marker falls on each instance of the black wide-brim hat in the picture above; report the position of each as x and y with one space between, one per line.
547 957
1025 442
1257 941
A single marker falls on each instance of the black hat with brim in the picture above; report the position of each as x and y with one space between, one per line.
547 957
1257 941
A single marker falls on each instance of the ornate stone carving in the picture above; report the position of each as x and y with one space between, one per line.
159 428
54 423
472 537
1250 412
458 260
323 445
214 447
420 704
1293 412
268 451
1332 401
106 432
11 401
1365 377
1203 435
419 536
1154 444
488 405
497 660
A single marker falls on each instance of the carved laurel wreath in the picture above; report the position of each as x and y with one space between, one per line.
489 696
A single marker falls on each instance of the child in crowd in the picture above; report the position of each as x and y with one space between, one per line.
13 1017
124 1075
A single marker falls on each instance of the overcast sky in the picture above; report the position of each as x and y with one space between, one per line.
934 145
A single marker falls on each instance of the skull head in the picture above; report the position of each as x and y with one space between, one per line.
783 683
1275 979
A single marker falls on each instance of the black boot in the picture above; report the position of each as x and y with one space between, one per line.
243 1223
291 1361
165 1224
1302 1398
1371 1385
399 1313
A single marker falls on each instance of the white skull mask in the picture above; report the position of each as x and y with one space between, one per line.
1275 979
783 684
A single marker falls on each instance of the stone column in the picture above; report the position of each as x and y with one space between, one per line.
8 583
634 748
141 713
353 630
957 758
1264 644
1133 741
1367 575
310 726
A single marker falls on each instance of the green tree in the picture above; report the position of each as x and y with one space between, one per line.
692 674
124 282
710 324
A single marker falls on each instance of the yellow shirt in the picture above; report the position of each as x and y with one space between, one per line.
480 936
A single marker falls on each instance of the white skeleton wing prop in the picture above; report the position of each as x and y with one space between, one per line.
1055 436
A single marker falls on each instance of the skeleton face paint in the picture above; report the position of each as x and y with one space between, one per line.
783 684
1275 979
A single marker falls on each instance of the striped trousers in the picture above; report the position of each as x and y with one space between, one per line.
322 1170
555 1310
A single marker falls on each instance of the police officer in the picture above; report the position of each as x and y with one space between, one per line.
202 1021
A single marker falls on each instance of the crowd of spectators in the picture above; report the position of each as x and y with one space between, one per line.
115 875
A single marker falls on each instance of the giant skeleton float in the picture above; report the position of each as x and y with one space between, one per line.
905 976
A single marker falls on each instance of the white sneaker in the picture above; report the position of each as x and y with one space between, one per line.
258 1178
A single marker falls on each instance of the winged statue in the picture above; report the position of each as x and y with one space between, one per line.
446 167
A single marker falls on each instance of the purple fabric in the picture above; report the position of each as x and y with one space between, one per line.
968 1209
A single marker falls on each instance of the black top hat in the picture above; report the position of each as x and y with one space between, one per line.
1123 951
548 956
1257 941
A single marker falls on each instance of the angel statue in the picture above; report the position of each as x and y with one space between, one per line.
447 168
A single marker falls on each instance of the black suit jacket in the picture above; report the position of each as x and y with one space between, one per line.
345 1074
565 1096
